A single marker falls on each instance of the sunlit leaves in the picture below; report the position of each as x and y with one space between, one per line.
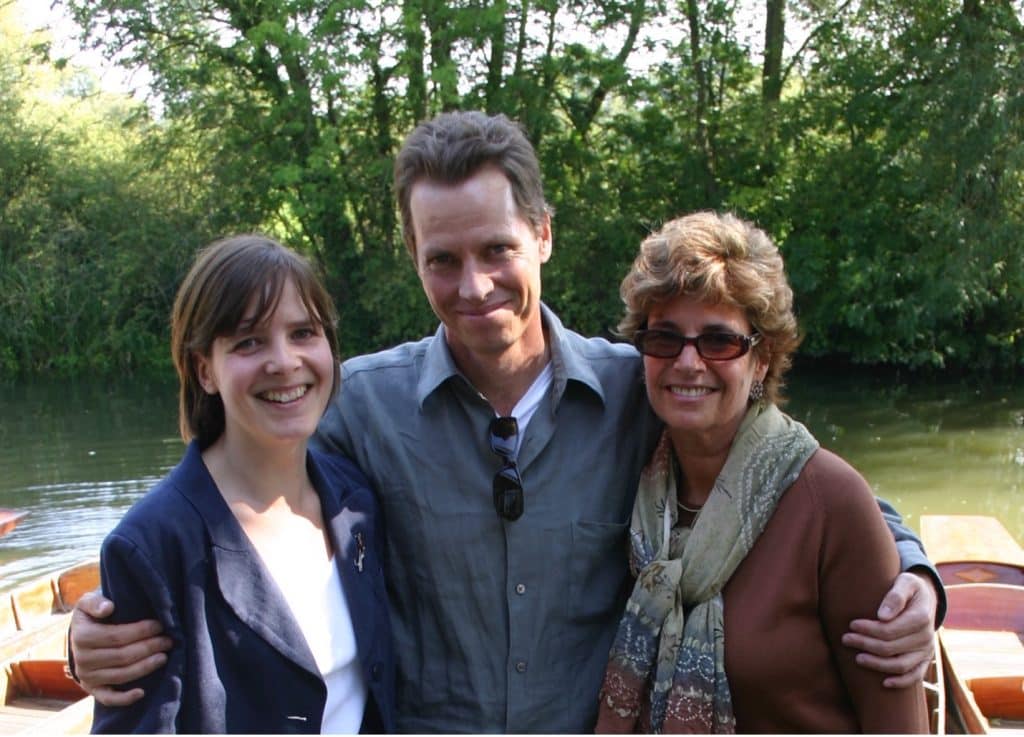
886 157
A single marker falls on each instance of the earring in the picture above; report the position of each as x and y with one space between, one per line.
757 391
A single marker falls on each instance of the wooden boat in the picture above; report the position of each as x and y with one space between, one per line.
38 696
981 642
9 519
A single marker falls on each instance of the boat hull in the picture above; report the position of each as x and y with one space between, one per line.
39 697
981 642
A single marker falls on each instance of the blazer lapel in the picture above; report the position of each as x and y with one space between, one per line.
244 582
250 591
351 535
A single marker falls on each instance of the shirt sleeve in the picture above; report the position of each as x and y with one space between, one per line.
858 564
332 434
912 555
139 591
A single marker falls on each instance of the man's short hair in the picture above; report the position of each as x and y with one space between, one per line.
454 146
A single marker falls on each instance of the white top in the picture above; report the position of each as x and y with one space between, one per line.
317 601
528 403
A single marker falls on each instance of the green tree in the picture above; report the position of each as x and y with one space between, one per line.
96 226
299 105
879 142
903 207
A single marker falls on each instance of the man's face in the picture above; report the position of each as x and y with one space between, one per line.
479 261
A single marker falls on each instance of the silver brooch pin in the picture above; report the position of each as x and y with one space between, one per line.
360 551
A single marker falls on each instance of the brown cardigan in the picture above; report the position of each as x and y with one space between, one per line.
825 558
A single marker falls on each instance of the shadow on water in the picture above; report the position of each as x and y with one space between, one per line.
76 455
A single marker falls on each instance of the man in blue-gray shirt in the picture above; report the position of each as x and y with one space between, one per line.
505 450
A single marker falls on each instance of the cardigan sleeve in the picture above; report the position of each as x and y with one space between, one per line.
140 591
857 565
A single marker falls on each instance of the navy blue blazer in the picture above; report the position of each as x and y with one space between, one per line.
239 661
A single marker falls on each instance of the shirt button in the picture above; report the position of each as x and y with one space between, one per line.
521 666
520 588
375 672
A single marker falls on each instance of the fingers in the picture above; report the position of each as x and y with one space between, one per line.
93 660
909 592
905 663
880 649
901 642
895 601
87 633
118 665
911 678
110 697
890 639
112 654
903 660
910 631
93 604
96 679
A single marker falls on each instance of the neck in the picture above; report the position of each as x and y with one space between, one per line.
258 479
699 466
503 378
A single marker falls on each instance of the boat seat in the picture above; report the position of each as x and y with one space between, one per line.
985 606
35 602
75 581
969 538
74 719
43 678
1000 697
46 640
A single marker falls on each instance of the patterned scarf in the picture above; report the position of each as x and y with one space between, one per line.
666 670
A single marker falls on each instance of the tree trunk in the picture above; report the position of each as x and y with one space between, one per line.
700 76
637 14
496 63
416 92
774 42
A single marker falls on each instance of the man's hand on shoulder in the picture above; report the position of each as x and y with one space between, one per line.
107 655
901 642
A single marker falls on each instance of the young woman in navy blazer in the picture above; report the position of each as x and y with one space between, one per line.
258 555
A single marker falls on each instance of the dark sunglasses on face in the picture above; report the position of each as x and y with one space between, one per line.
508 486
660 343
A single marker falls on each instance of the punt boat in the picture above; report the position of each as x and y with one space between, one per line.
38 696
9 519
980 657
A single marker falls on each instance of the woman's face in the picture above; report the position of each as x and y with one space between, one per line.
274 377
702 401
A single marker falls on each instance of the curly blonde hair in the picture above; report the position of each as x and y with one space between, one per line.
720 259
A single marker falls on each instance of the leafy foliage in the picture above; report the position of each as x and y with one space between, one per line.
882 147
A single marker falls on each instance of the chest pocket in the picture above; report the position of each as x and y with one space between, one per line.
599 570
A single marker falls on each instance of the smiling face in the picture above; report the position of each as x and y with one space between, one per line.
479 261
273 377
702 402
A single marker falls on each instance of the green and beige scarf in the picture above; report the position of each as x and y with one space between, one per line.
666 671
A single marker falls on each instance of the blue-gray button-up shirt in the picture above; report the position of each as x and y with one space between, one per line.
501 626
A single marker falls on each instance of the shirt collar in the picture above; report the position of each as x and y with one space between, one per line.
567 361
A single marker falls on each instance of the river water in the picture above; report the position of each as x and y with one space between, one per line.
75 455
